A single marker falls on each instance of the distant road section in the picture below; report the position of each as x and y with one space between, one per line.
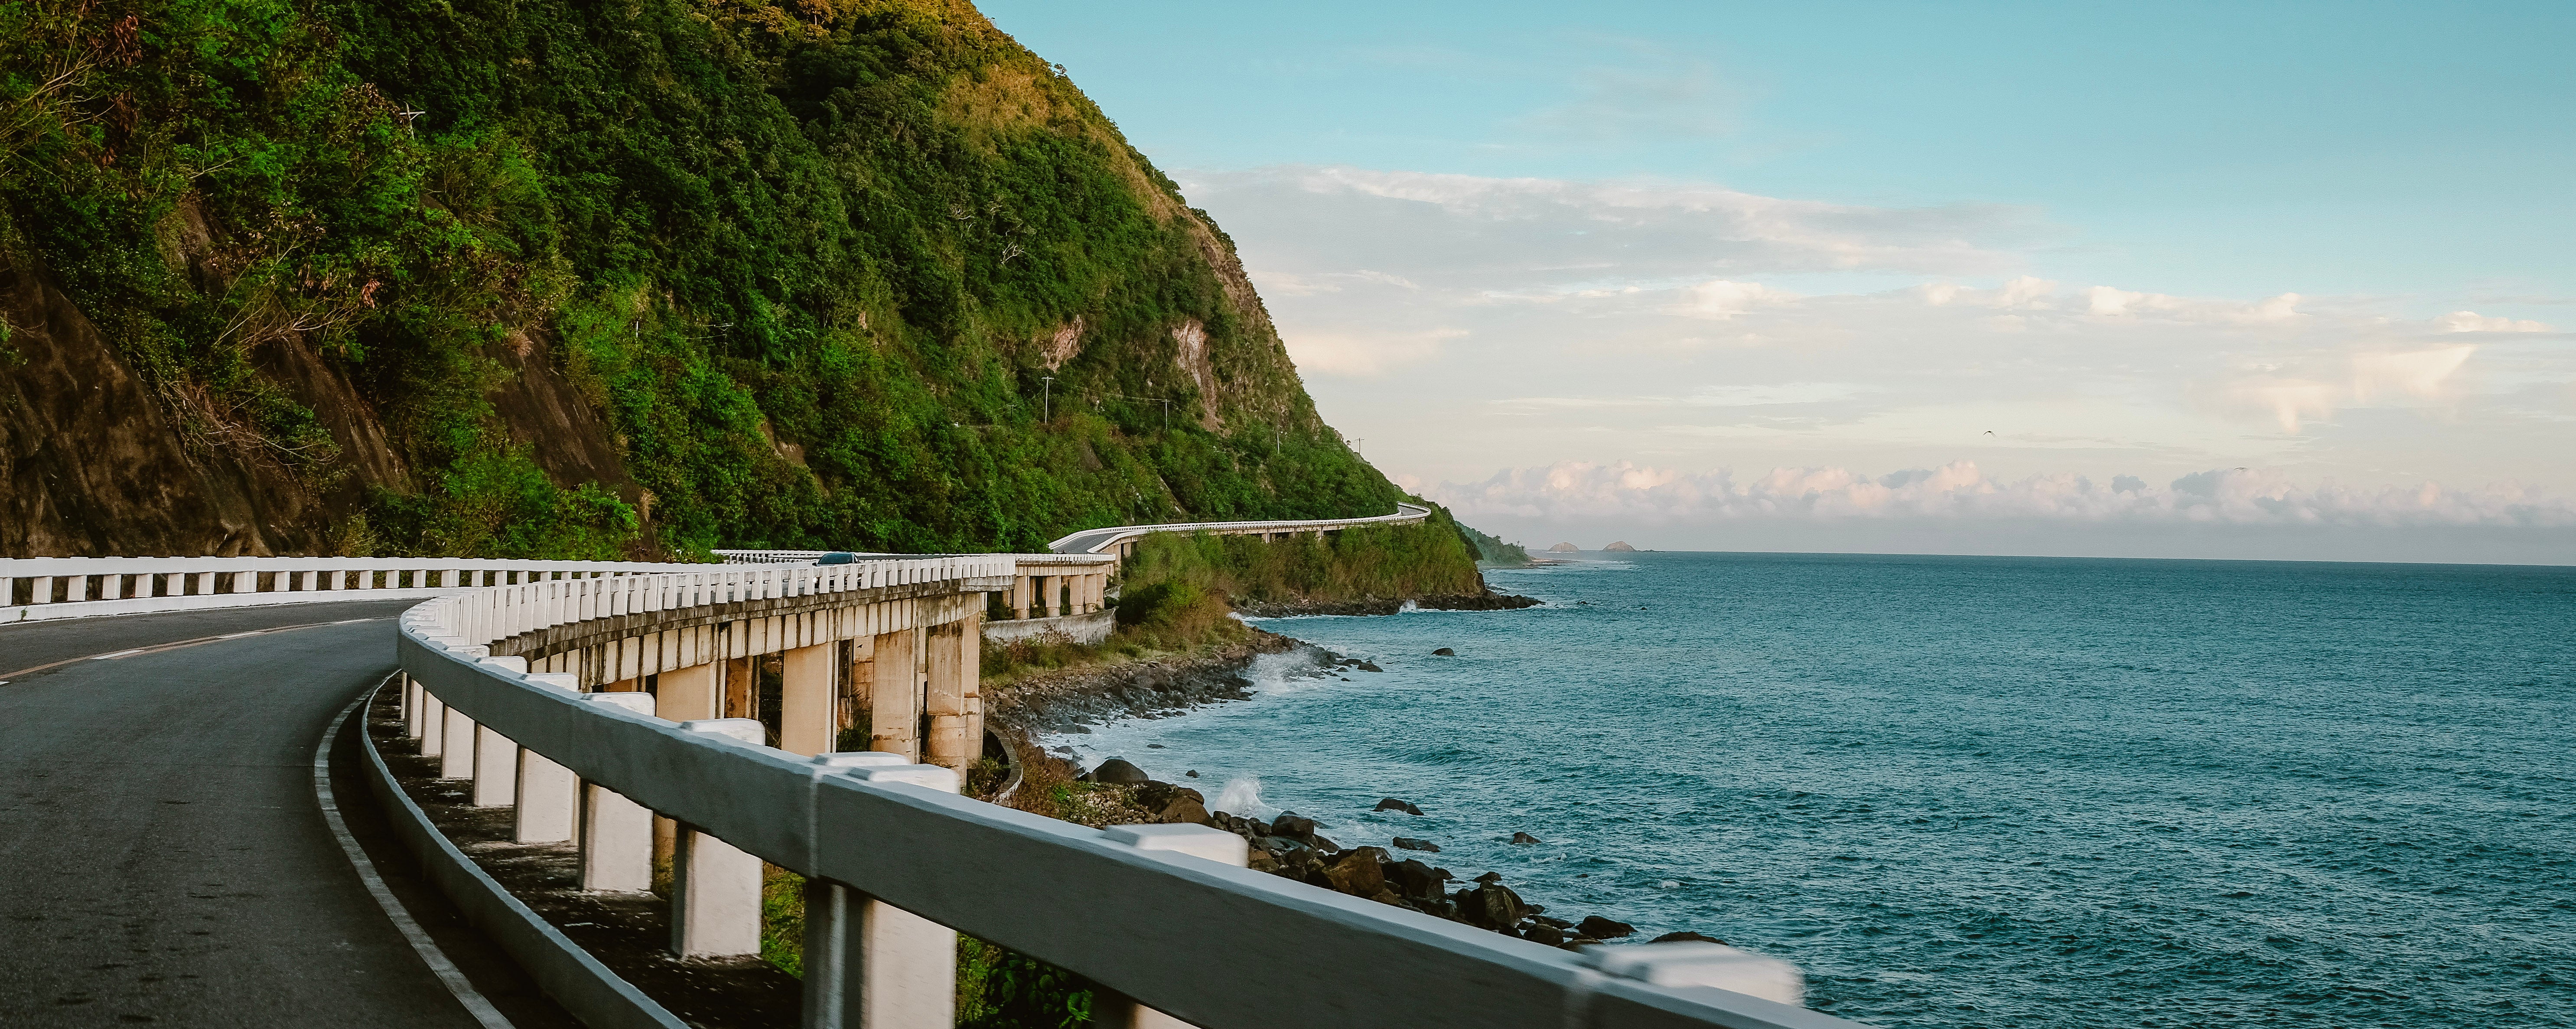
1115 538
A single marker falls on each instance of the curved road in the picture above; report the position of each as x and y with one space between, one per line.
163 856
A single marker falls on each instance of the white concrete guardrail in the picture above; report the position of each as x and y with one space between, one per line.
1115 539
42 588
897 862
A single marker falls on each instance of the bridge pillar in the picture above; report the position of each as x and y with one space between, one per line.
858 685
1021 591
686 694
616 833
955 659
715 902
869 964
805 686
894 700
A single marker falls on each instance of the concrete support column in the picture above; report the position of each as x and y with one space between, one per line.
955 658
715 902
894 712
456 748
741 689
858 684
1019 596
1179 844
869 964
616 833
687 694
805 690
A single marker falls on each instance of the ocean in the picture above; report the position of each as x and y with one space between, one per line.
1967 791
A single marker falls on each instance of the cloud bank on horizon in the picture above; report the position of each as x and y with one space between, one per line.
1639 326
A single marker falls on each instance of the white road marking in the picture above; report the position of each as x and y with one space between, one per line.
446 971
121 653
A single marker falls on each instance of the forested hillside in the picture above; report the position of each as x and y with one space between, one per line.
538 277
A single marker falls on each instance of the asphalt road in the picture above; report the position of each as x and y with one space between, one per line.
163 857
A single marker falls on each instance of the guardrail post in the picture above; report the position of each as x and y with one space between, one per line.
496 757
456 745
832 924
715 903
549 794
881 967
616 833
1114 1011
413 708
1705 964
433 725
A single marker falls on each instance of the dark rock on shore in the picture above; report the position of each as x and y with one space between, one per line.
1444 652
1392 804
1173 805
1600 928
1409 843
1685 937
1117 770
1368 667
1524 839
1289 846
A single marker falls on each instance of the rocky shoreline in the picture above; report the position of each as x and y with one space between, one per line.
1452 602
1071 700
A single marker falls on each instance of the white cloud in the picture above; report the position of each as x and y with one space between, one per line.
2294 401
1366 354
1720 299
1571 492
2471 321
1513 234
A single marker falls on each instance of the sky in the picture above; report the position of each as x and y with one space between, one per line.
2196 280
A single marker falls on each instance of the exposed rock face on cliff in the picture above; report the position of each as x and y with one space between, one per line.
546 277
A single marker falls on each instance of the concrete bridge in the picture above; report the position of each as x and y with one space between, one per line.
163 866
1120 540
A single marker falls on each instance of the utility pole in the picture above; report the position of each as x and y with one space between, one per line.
1167 416
1048 398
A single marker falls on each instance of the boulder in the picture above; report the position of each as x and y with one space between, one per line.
1118 770
1523 839
1490 877
1685 936
1491 906
1444 652
1541 932
1409 843
1360 872
1392 804
1600 928
1367 667
1415 880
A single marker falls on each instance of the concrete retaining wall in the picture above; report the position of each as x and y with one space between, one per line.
1087 628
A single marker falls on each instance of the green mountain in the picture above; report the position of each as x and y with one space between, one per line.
549 278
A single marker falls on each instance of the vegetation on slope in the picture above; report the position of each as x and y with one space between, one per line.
1362 563
1493 551
812 265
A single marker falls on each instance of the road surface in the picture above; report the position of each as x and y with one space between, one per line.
163 856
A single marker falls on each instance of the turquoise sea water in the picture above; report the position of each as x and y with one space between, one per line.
1982 791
